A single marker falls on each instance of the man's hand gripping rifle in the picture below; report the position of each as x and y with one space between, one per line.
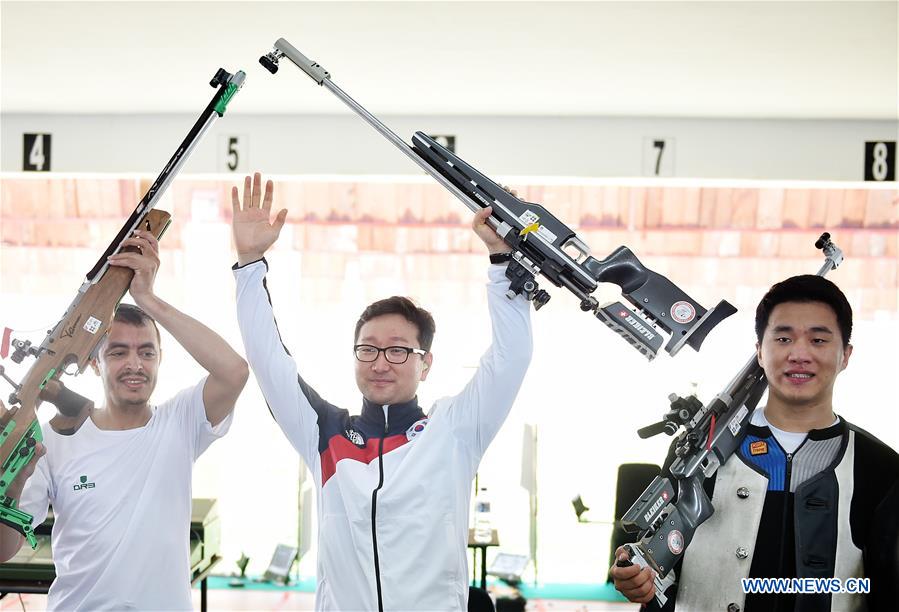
541 244
73 341
711 434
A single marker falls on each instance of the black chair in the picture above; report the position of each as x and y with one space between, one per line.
633 478
479 600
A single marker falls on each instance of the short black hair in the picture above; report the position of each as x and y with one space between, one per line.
406 308
805 288
134 315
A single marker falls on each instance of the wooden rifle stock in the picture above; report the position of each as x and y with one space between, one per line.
72 342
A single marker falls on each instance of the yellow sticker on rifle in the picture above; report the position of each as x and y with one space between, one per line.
533 227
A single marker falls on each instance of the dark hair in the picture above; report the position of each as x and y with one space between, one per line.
406 308
134 315
805 288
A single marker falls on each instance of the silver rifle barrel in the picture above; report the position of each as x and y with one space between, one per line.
168 174
321 76
157 194
833 258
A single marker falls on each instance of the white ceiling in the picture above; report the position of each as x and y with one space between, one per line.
675 59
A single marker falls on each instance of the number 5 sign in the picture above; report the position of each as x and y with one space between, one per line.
233 153
36 153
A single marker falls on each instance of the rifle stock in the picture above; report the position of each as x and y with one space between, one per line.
70 344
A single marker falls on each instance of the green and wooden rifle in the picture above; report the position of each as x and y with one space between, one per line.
70 345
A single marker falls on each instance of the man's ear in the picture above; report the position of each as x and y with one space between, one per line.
846 353
427 362
758 354
95 366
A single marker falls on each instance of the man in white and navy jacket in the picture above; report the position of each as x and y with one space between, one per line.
393 483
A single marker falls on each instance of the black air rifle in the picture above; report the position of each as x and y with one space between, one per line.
541 244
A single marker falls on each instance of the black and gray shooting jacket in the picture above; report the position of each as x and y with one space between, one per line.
828 510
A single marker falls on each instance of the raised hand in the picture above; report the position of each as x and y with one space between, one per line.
494 243
144 261
253 232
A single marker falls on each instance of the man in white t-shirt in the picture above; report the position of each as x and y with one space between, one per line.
120 486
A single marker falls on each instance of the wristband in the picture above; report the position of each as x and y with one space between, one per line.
500 258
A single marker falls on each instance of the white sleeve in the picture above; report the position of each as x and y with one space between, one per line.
480 409
36 494
188 409
204 433
296 407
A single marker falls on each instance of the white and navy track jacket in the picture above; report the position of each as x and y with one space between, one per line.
393 484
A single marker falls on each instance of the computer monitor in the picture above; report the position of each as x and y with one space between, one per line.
279 568
509 567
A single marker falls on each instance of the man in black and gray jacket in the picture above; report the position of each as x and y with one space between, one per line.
807 495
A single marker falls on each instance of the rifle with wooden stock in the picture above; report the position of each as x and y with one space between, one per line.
73 342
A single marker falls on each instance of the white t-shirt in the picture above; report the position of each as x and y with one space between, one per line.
122 504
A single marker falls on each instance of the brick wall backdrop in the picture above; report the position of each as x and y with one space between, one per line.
717 239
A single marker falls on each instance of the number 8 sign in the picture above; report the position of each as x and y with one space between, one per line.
880 161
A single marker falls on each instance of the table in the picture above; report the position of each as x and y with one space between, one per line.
482 546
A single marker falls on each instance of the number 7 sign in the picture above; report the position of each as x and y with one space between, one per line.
658 157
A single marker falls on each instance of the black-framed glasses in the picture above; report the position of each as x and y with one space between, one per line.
393 354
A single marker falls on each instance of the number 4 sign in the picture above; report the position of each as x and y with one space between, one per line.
36 152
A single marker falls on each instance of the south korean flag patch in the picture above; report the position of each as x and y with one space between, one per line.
417 428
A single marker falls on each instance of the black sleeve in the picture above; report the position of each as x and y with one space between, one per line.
881 554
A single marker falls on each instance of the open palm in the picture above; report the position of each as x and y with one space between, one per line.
253 231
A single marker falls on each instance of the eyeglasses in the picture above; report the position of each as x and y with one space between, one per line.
393 354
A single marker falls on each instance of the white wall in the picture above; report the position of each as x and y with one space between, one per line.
534 146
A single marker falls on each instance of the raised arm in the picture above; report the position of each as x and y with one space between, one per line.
296 407
228 372
482 406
